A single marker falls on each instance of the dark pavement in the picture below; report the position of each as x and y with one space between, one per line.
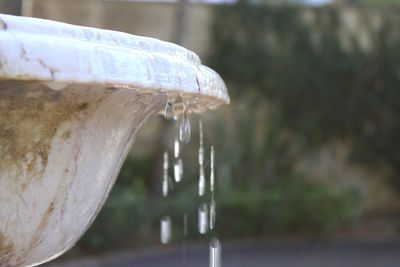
317 254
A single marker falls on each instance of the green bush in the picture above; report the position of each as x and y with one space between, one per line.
325 90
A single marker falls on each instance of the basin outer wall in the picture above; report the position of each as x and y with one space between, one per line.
60 153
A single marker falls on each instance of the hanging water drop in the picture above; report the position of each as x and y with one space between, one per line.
212 171
184 128
215 253
165 229
169 110
203 218
165 182
212 213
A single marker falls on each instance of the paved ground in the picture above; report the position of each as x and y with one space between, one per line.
337 254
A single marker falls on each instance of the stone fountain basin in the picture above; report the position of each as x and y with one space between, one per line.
71 101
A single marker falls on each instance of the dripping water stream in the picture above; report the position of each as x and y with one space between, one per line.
207 209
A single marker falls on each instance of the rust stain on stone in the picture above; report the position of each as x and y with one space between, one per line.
30 116
7 251
66 134
83 106
38 236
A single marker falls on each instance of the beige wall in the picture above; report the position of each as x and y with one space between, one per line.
149 19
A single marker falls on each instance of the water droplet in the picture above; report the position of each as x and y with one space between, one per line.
212 213
165 229
165 187
184 128
178 170
203 218
169 110
176 148
201 143
165 182
165 163
212 171
202 181
178 165
215 253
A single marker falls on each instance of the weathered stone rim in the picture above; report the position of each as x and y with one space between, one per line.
63 54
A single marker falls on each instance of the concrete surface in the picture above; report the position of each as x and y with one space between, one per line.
326 254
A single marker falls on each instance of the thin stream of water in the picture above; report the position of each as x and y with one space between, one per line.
165 181
215 253
212 171
202 178
178 163
201 143
212 212
206 215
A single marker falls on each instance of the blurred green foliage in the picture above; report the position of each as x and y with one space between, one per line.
332 72
299 78
259 194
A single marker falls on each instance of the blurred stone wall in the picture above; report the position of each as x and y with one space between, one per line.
140 18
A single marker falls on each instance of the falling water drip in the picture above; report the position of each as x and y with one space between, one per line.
202 181
215 253
212 212
165 229
176 148
165 182
169 110
184 128
203 218
177 170
201 143
178 164
212 171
